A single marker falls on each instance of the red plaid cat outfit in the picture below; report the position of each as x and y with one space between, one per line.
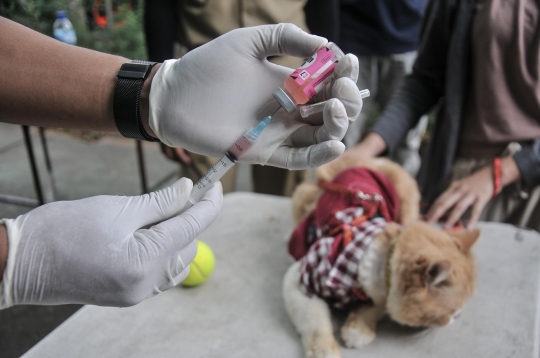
332 240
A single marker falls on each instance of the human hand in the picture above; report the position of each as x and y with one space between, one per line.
473 191
372 146
99 251
177 154
208 99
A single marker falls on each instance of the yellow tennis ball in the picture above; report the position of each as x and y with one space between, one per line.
201 267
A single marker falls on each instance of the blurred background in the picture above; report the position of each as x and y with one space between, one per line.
122 36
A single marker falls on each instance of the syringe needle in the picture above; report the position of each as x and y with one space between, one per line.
277 109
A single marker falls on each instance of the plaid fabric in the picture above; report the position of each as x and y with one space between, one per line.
337 282
356 192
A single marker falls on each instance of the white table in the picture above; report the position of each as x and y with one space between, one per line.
239 311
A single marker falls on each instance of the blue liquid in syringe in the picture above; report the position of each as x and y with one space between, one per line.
218 170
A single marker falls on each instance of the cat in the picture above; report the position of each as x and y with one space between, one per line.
418 275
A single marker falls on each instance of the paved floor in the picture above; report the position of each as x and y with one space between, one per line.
81 169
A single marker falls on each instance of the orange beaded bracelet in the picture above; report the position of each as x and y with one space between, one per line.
497 176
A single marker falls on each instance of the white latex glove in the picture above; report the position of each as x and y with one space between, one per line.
96 251
215 93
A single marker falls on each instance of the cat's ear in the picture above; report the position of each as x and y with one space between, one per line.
467 238
438 272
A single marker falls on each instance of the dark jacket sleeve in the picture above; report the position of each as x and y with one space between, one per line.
528 162
424 87
322 18
160 24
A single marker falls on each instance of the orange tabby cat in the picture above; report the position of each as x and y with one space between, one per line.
419 275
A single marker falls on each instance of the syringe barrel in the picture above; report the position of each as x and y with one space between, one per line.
309 109
218 170
211 177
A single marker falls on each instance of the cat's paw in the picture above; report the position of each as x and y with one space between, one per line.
357 336
324 352
323 346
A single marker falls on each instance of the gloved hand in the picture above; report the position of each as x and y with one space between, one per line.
215 93
96 251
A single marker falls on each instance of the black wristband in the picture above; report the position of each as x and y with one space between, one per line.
127 96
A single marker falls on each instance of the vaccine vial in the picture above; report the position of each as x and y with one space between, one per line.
306 81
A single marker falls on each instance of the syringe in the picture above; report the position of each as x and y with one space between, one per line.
218 170
239 148
309 109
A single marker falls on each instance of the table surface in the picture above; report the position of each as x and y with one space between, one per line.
239 312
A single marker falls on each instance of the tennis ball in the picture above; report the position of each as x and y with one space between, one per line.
201 267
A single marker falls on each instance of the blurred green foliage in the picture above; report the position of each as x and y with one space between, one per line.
125 37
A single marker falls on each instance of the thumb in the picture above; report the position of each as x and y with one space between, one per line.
285 39
180 230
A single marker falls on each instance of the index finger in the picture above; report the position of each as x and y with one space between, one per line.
177 232
282 39
442 205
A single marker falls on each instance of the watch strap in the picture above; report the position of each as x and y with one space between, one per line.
127 96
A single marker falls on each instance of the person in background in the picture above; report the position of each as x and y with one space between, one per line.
480 62
194 23
383 34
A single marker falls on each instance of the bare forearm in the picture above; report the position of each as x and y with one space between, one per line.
372 146
47 83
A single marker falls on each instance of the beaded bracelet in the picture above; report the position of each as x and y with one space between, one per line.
497 176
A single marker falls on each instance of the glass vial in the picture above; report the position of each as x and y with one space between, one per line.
306 81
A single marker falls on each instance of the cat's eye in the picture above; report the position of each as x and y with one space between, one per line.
433 272
438 273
